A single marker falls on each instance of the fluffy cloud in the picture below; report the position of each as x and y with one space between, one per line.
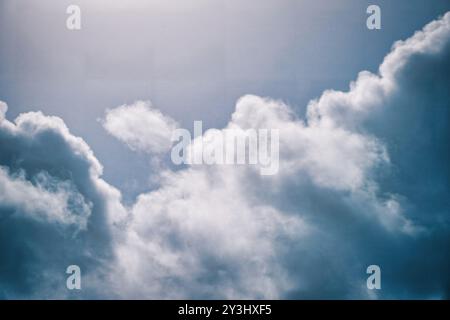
141 127
54 208
363 179
205 239
47 199
341 199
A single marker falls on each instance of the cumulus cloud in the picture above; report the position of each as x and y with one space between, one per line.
47 199
206 239
363 179
55 210
342 189
141 127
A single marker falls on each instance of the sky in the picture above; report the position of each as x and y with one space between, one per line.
86 176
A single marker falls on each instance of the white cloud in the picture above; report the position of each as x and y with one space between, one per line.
62 204
370 91
332 156
202 234
225 231
3 109
228 232
141 127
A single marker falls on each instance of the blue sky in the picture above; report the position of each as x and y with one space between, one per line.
192 61
370 190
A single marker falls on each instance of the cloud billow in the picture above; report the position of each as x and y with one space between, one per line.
55 210
141 127
364 179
